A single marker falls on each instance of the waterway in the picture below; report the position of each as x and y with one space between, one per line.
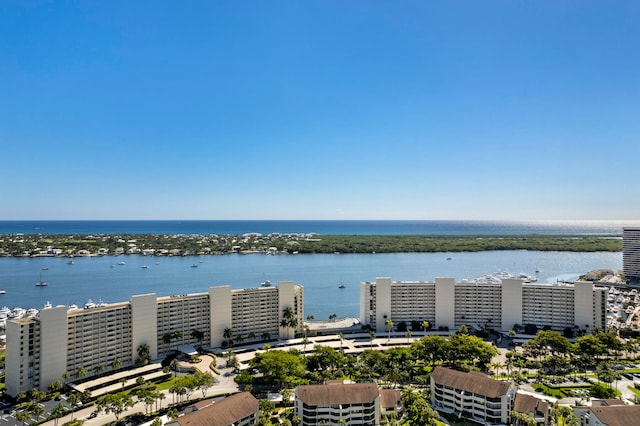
103 278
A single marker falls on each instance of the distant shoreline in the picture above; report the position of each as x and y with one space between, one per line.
85 245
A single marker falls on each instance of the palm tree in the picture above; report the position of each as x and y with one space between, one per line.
251 336
389 325
23 416
409 332
266 336
305 342
58 412
425 325
341 336
239 338
372 335
227 333
98 369
65 377
80 372
116 363
198 335
161 396
144 354
289 320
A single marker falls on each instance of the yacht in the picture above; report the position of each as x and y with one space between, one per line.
41 283
144 267
266 283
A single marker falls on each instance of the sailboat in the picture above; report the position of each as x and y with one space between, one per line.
41 283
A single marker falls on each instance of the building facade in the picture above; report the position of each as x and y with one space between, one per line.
631 254
240 409
472 395
335 403
450 304
65 340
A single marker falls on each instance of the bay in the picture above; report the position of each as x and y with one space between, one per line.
103 278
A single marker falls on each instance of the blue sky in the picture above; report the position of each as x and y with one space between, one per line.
319 110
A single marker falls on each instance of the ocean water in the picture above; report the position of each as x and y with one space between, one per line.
323 227
102 278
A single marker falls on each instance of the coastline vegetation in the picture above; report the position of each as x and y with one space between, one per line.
180 245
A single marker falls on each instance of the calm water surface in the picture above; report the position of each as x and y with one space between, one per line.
102 278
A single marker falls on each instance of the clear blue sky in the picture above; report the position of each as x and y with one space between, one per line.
320 110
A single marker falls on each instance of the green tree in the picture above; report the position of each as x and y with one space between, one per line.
389 324
204 381
74 398
80 372
22 416
114 403
280 368
425 325
58 412
227 334
144 354
116 364
198 335
289 320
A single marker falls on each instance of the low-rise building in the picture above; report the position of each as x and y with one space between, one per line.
608 415
334 403
536 408
240 409
472 395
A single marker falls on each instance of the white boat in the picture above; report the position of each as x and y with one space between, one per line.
194 265
121 263
266 283
47 305
70 262
89 304
144 267
41 283
342 286
3 291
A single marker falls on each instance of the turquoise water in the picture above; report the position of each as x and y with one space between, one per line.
102 278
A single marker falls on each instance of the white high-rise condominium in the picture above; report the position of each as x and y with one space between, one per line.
631 254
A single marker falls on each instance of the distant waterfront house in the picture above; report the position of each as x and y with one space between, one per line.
333 403
472 395
240 409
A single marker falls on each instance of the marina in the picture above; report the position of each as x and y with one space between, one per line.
321 274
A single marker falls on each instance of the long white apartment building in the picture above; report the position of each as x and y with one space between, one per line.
63 340
447 303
